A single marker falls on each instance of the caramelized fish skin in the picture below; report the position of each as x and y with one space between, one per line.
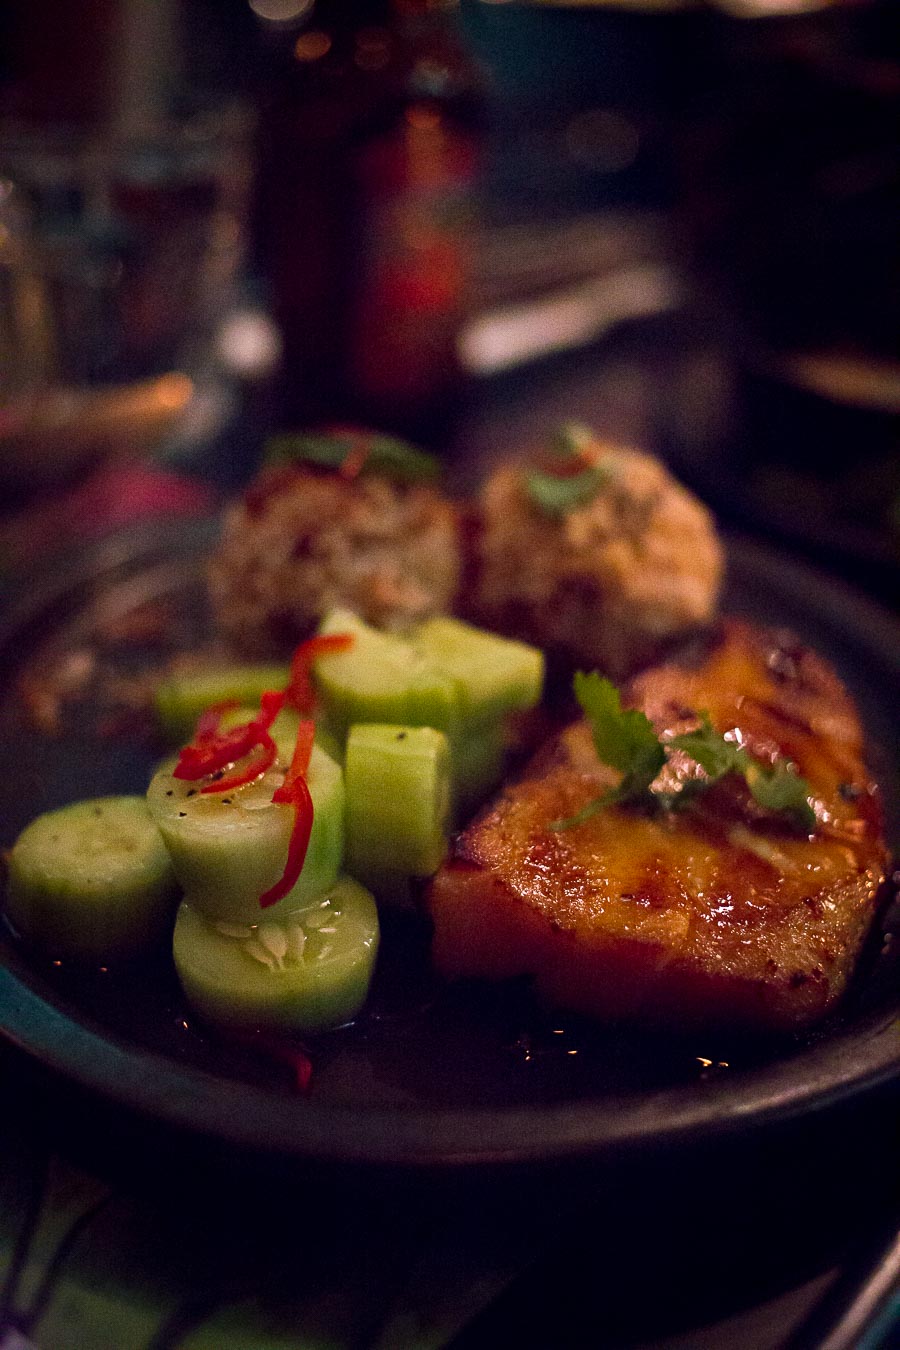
715 915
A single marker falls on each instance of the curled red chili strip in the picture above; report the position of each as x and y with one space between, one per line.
259 765
198 760
212 750
294 791
300 693
299 843
209 720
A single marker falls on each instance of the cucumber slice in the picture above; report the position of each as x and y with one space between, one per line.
92 881
398 800
300 971
382 678
180 699
228 848
478 759
495 675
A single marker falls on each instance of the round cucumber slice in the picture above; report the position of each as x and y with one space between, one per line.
305 971
228 848
92 881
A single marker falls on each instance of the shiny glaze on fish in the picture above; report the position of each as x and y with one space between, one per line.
717 914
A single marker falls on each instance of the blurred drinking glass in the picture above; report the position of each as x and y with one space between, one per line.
118 254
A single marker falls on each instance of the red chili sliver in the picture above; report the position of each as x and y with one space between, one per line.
299 843
300 693
212 754
299 765
271 705
354 462
209 719
295 791
212 750
257 766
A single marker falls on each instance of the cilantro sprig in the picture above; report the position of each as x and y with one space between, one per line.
558 496
626 739
394 458
556 493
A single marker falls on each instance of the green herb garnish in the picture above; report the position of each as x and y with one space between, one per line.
557 493
387 455
625 739
776 787
558 496
780 789
708 748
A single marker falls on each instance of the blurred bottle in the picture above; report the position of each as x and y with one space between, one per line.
368 164
315 103
416 178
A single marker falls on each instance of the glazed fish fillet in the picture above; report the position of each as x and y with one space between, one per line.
719 914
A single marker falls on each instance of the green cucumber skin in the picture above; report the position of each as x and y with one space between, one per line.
382 679
92 881
180 699
479 762
230 988
226 861
494 675
398 800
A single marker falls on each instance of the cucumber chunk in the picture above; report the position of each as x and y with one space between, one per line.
180 699
92 881
382 678
478 759
398 800
495 675
302 971
227 848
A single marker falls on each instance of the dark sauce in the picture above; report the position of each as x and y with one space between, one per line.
419 1043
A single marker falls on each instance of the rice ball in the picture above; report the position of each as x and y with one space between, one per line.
606 571
302 540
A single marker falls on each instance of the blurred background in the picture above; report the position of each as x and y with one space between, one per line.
460 221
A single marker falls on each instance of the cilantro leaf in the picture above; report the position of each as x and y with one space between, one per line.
625 739
709 748
556 495
777 788
394 458
573 438
556 491
780 789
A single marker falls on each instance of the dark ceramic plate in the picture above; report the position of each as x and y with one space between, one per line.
427 1076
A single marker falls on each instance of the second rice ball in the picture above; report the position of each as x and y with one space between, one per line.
595 552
